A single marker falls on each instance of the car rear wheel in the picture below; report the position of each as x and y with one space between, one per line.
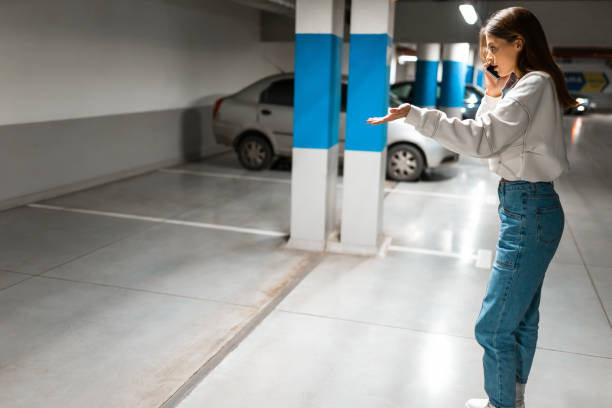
255 153
405 163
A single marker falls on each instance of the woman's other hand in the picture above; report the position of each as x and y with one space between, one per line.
394 113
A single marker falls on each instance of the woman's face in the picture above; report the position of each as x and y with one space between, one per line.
503 54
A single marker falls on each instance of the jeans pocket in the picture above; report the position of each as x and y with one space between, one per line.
510 236
551 221
511 214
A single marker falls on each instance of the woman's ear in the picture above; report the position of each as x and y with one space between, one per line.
518 43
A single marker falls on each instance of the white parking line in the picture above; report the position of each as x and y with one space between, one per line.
164 220
94 212
232 176
489 199
486 199
482 256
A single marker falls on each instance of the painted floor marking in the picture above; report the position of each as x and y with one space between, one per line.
164 220
490 199
482 256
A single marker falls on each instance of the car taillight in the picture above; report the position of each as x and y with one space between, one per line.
217 106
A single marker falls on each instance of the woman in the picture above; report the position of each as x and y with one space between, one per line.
518 128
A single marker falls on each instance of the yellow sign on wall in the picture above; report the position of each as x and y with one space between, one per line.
587 82
594 82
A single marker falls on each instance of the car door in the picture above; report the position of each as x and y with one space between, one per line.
275 113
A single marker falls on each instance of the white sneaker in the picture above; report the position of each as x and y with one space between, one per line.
485 403
479 403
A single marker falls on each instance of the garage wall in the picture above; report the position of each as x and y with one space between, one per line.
96 90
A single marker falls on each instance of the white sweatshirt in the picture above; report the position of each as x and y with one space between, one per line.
521 133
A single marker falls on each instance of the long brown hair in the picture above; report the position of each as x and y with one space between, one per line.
518 22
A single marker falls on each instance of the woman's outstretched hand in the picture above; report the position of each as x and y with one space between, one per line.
394 113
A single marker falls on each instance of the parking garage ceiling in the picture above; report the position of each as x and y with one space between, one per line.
568 23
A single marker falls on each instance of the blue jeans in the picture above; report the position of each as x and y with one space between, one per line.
532 222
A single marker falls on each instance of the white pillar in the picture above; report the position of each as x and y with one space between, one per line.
393 67
469 76
427 73
477 64
318 62
365 151
454 66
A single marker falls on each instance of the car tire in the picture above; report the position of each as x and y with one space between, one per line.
405 163
255 152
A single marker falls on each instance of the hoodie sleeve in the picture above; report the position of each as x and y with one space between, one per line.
492 131
485 136
487 104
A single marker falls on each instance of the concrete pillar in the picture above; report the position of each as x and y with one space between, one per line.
318 61
366 145
469 74
426 80
454 66
401 73
480 78
393 66
478 72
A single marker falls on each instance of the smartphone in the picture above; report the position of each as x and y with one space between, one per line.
493 72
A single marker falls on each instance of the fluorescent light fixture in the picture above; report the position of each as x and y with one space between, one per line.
468 13
406 58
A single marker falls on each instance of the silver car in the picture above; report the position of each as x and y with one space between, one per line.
257 122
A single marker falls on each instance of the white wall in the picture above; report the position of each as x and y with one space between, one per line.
67 59
92 91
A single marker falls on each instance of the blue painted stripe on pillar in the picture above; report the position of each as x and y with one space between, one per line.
469 75
453 84
480 78
318 59
426 82
368 91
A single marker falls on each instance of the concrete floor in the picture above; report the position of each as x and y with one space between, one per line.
174 289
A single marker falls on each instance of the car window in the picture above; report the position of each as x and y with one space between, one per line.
394 101
278 93
281 93
403 91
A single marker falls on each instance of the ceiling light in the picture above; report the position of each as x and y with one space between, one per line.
468 13
406 58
